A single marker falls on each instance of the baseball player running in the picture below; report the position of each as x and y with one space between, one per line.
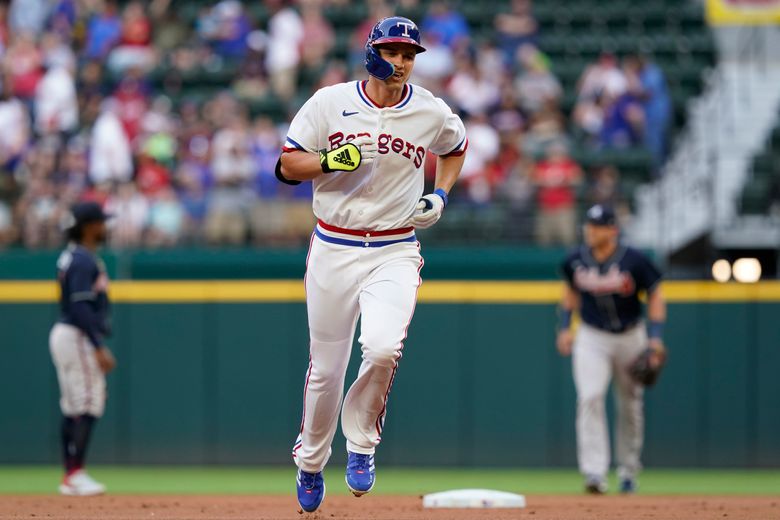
76 343
604 280
363 144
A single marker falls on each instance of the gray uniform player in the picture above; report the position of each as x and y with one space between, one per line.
76 343
604 281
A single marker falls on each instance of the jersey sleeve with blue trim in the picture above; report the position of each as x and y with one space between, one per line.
645 273
304 131
451 139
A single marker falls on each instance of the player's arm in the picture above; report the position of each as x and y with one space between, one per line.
656 319
86 319
431 206
300 165
570 300
85 315
429 209
447 171
450 145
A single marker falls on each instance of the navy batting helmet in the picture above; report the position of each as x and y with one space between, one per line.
395 29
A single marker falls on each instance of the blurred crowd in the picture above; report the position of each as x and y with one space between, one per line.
82 116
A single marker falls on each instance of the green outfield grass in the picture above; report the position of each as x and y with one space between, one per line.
274 480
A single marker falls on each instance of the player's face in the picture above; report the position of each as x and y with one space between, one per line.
401 55
97 231
102 232
599 236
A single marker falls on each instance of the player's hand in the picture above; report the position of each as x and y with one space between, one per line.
427 212
105 359
348 157
368 149
659 352
564 342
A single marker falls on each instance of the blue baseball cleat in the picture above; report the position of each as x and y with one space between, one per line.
628 486
361 473
311 490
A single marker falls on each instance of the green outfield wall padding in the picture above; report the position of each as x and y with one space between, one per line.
529 263
478 385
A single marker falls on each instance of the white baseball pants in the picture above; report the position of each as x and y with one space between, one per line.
379 284
598 355
82 383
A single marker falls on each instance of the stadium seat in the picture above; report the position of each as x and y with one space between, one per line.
755 196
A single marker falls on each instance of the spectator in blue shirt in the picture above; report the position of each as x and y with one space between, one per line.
449 25
623 122
103 32
516 28
656 104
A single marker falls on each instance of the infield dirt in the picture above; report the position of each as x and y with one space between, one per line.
163 507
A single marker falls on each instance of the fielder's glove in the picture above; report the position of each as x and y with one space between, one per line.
429 209
644 370
348 157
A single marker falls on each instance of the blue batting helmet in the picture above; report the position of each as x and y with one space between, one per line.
395 29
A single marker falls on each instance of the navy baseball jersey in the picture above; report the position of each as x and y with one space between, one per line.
609 291
83 299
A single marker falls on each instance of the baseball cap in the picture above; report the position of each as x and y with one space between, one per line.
84 212
601 215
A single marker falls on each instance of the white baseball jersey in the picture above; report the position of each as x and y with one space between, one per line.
362 261
383 194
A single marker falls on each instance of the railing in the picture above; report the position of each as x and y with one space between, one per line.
726 125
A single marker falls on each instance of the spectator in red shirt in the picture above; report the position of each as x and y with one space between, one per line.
152 177
23 63
556 178
134 49
3 26
132 105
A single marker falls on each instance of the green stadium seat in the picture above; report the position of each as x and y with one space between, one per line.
341 45
546 15
416 12
755 197
633 163
346 17
628 186
775 139
479 14
269 106
764 162
568 72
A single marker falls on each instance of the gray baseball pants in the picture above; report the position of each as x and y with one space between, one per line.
597 356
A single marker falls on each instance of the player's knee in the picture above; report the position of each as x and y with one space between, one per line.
382 355
592 400
324 375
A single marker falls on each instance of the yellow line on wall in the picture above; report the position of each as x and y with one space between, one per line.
437 291
679 291
434 291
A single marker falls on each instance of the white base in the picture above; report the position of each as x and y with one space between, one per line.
474 499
